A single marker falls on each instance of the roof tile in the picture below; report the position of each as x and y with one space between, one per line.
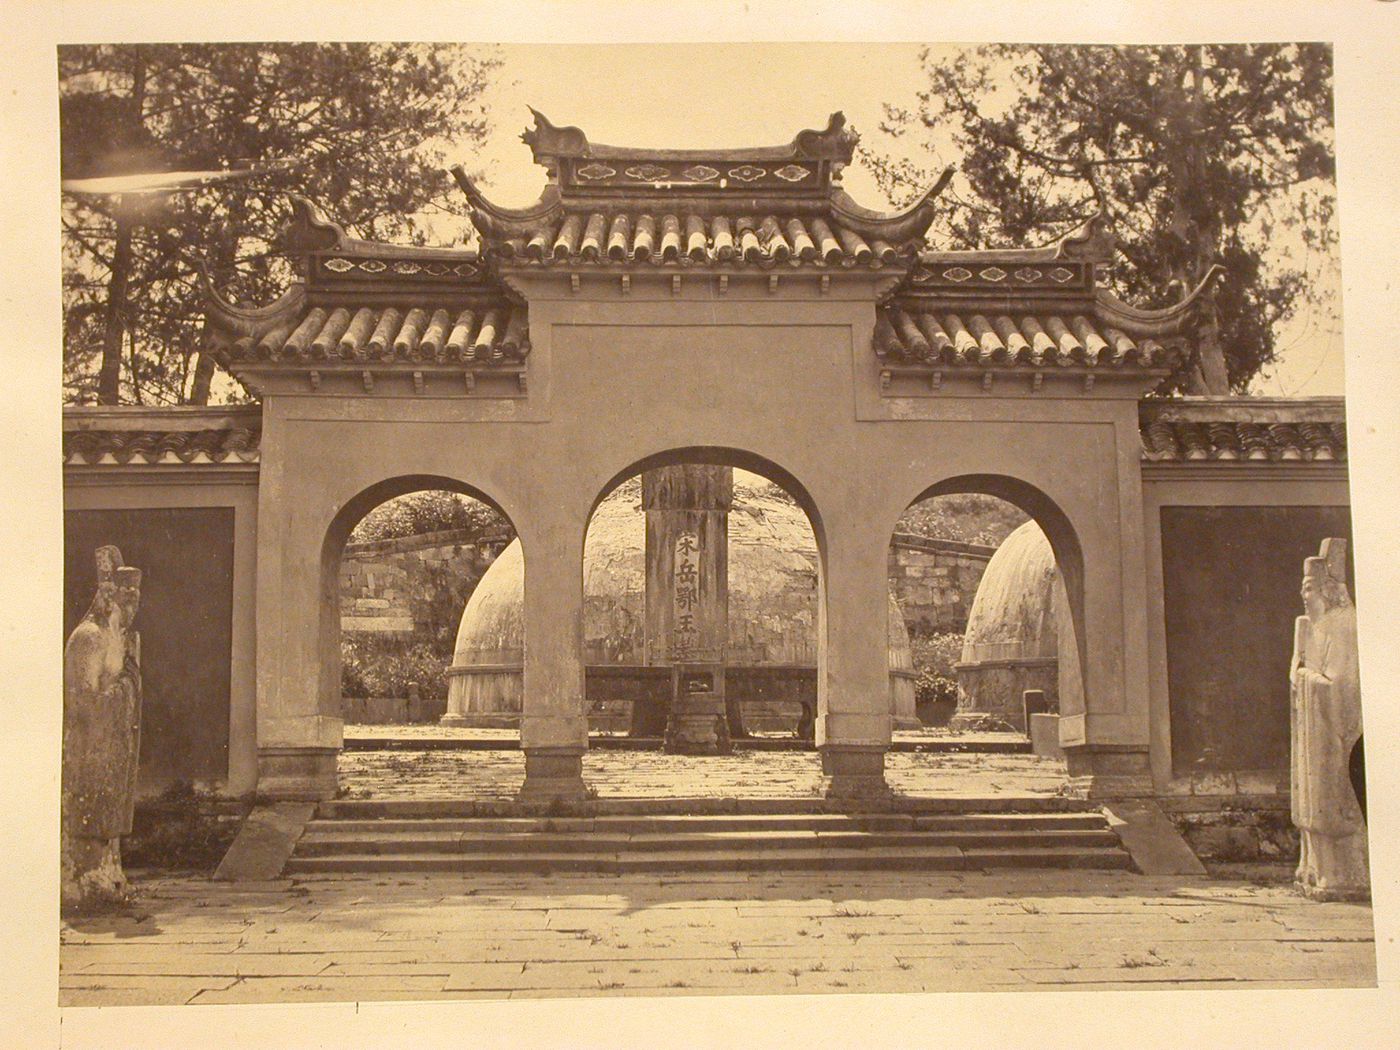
935 337
483 334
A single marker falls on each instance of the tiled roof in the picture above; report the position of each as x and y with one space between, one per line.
687 237
765 207
1182 442
161 436
931 337
486 334
1243 430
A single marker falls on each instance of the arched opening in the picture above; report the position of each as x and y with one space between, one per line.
988 576
767 599
703 591
400 563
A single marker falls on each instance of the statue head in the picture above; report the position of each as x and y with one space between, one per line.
128 597
104 600
118 589
1325 580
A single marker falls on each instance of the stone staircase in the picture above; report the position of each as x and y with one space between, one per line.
667 835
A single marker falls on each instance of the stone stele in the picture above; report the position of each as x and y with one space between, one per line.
101 733
1326 715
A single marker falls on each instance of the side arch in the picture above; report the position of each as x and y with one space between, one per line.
328 664
1064 542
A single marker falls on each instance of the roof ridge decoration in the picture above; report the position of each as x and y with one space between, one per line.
763 206
1091 241
550 143
311 232
228 324
1163 322
911 223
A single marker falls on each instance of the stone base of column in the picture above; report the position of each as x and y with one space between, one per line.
553 773
1107 771
697 726
297 774
854 772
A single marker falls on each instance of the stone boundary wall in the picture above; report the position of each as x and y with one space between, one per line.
934 581
390 588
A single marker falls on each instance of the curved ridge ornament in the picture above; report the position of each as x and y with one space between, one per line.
1159 323
310 230
833 142
1093 241
547 139
910 224
493 221
227 323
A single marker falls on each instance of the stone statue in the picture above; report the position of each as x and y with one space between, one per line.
101 733
1326 718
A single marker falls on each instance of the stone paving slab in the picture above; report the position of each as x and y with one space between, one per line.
347 939
416 775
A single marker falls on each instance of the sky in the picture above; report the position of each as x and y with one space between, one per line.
732 94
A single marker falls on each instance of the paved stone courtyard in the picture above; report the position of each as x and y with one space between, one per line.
652 774
444 937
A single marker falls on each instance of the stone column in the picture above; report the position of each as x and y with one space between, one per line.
553 722
687 583
299 726
854 719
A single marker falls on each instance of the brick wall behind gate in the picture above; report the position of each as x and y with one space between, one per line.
934 581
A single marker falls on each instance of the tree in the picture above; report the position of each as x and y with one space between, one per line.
1196 155
431 510
361 127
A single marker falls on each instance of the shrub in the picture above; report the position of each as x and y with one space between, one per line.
968 517
934 657
430 510
182 829
387 667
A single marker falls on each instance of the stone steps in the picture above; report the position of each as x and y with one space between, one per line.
443 808
635 825
921 858
319 843
348 838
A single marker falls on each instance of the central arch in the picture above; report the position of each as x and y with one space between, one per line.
772 682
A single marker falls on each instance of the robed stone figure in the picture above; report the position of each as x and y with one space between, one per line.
1326 722
101 733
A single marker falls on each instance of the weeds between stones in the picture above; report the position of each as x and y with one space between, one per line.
121 904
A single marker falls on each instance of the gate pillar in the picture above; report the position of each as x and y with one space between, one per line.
853 700
553 716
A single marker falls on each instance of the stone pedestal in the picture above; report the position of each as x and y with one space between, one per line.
696 726
297 774
1045 735
553 773
854 771
1108 771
